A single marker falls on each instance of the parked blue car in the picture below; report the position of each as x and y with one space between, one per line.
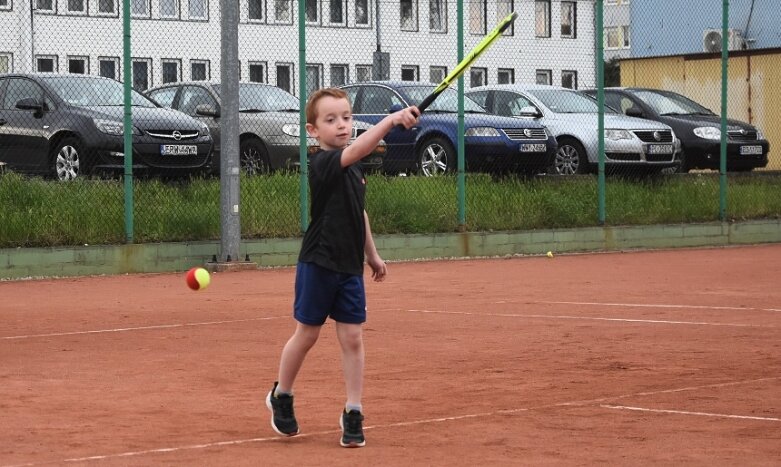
492 143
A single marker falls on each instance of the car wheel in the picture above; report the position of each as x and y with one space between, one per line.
436 157
570 158
68 160
253 158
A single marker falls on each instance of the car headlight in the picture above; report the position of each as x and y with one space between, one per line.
204 130
481 131
708 132
113 127
291 129
615 135
760 135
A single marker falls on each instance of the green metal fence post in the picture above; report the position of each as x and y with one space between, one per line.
302 96
601 113
128 122
723 146
461 182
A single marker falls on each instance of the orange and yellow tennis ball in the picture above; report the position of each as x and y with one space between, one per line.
198 278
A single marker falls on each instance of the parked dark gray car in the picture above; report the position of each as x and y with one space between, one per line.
268 123
67 126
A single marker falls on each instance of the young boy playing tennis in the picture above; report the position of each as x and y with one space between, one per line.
329 274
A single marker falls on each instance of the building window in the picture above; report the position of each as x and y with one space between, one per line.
108 67
76 6
363 73
5 4
5 63
257 72
612 37
197 9
199 70
255 10
141 74
140 8
504 8
408 10
46 63
362 13
436 74
625 34
437 15
339 75
45 6
336 12
169 8
106 7
171 69
544 77
283 11
285 76
477 77
78 65
312 10
505 76
477 9
409 73
314 78
569 79
542 18
569 19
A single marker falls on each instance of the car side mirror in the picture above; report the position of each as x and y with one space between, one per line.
529 111
394 108
207 110
634 112
29 103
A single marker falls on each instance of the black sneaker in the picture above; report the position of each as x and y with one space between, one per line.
283 420
352 429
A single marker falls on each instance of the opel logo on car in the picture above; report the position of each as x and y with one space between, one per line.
657 136
177 135
527 132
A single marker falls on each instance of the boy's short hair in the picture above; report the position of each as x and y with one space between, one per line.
311 104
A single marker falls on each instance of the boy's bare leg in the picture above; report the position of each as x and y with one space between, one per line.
351 341
294 353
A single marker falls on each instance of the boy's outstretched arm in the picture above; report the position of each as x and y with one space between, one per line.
373 259
365 144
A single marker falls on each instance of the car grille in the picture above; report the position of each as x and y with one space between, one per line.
175 135
743 135
525 133
647 136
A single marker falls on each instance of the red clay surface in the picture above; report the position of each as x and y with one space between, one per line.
665 358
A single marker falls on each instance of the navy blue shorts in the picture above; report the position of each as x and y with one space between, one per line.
321 293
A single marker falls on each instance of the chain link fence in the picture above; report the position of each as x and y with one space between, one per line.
519 146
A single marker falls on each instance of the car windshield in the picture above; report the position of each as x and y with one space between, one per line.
669 103
446 102
88 91
567 102
263 98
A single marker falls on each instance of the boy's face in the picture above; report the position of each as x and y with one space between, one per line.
333 127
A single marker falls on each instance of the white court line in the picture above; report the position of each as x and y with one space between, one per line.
392 425
139 328
594 318
652 305
684 412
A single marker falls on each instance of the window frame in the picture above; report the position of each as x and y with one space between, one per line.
83 58
9 6
149 73
415 69
264 71
547 72
46 11
344 67
415 19
147 5
443 16
113 13
292 69
291 13
626 36
574 74
117 63
320 77
574 26
483 71
343 22
318 12
369 6
177 62
82 12
478 26
246 11
10 57
547 33
606 40
53 58
370 68
500 14
199 61
205 16
177 10
439 68
507 71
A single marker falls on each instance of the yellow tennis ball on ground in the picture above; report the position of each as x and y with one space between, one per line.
198 278
550 254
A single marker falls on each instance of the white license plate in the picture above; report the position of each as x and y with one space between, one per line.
747 150
660 149
178 150
536 147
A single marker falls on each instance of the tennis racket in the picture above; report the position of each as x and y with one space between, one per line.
469 59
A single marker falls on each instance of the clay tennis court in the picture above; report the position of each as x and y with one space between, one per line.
666 357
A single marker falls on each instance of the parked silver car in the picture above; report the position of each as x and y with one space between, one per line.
571 116
268 123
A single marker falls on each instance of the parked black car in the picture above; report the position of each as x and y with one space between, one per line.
698 128
68 126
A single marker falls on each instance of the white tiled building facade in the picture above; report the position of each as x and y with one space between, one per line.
552 41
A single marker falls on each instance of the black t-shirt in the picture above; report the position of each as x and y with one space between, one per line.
335 237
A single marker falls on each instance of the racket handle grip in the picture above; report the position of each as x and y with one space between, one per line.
427 102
